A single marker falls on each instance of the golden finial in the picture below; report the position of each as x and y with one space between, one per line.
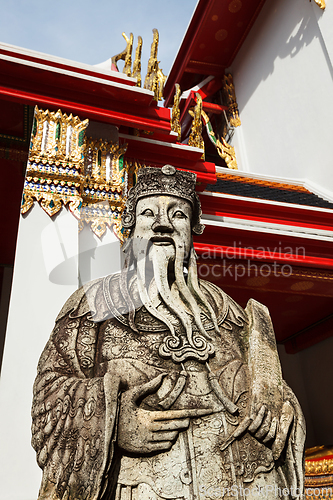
155 78
137 63
125 55
229 90
175 117
195 138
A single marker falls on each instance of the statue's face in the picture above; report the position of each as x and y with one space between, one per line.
163 221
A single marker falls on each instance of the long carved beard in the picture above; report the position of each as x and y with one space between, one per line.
174 297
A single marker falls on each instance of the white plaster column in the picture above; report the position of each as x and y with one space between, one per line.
98 256
52 260
45 275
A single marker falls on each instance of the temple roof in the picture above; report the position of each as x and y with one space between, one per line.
214 36
267 190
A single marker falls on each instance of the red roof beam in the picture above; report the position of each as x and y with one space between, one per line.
204 68
277 213
220 251
55 62
86 111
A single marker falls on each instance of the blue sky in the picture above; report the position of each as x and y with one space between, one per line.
90 31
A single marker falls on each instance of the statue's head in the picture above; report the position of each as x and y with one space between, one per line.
157 183
162 212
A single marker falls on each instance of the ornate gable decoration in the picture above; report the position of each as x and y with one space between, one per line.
155 79
65 168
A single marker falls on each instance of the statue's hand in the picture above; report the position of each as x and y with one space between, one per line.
269 429
143 431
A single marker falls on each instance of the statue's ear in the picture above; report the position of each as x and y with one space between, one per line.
198 228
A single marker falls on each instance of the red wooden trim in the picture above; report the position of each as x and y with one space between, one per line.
210 107
204 68
16 76
230 252
185 50
62 65
318 459
86 111
184 54
274 213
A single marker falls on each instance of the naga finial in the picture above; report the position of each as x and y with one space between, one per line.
229 90
175 117
125 55
195 139
155 79
136 73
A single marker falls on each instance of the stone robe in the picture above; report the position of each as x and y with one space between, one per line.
93 356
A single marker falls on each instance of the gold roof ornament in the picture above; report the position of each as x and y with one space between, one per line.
55 161
65 168
125 55
136 73
195 139
229 90
321 4
103 186
155 79
225 150
175 116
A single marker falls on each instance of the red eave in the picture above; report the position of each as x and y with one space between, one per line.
64 64
96 96
215 34
86 111
266 255
181 156
304 224
223 205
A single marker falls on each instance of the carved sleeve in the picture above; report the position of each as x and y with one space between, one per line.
74 413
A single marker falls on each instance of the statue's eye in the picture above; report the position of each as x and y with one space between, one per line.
179 214
148 212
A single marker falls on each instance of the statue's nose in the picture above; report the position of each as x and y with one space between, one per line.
162 225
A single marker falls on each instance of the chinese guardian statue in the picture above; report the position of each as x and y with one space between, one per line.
157 385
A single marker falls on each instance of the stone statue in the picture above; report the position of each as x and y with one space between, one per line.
156 385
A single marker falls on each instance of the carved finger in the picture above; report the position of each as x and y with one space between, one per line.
164 436
265 426
179 414
240 430
272 431
242 427
148 388
287 416
257 421
170 425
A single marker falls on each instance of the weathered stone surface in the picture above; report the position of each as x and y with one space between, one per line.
154 385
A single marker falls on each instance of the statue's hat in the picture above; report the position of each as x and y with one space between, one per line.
169 181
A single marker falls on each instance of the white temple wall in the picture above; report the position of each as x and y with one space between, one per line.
283 80
52 260
98 256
